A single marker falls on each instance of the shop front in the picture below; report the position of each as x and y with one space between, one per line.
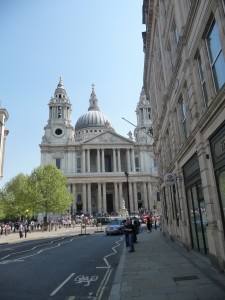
217 144
195 205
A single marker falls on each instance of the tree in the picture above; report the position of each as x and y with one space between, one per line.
48 190
14 197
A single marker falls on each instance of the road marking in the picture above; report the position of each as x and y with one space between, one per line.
103 284
38 246
5 262
82 279
61 285
108 272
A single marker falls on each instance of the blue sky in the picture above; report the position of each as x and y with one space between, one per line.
85 41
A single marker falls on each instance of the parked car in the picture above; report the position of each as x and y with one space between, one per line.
116 226
103 220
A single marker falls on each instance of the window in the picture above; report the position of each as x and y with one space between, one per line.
164 7
221 180
170 58
216 56
59 112
139 196
137 167
175 32
183 116
149 113
202 79
177 129
58 163
78 162
168 146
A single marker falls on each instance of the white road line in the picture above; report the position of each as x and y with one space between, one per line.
108 272
62 284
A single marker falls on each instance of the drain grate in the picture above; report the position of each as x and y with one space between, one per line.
185 278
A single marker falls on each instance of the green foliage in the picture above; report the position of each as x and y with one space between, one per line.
14 198
45 190
49 192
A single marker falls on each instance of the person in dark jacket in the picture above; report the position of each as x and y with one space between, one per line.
149 224
129 229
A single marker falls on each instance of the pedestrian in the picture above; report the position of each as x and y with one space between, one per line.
21 229
149 224
130 230
155 223
136 227
126 235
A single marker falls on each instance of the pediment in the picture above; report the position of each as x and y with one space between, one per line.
109 138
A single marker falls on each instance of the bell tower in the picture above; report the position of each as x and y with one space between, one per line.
59 129
143 132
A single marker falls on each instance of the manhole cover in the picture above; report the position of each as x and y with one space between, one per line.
185 278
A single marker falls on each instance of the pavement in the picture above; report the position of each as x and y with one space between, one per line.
161 269
158 269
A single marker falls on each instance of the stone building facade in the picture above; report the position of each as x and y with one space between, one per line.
184 76
3 134
102 167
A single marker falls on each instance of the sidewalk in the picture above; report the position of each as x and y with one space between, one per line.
14 237
159 269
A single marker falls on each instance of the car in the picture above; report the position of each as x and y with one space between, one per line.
103 220
116 226
144 219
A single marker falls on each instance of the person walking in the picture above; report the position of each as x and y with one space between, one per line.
149 224
129 229
21 229
126 235
136 227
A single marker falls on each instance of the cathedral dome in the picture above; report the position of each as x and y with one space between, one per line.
93 118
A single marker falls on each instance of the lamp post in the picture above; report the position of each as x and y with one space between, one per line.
128 196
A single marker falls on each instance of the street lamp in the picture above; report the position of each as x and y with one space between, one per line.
128 196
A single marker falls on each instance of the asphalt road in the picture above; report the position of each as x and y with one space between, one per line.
68 268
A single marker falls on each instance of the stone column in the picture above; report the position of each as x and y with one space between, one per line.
150 196
119 160
75 196
99 197
145 195
84 198
128 160
74 162
88 160
114 160
104 197
135 197
98 160
120 192
83 161
131 196
116 201
132 160
103 161
89 198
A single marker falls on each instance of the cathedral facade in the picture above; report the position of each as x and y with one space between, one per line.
104 169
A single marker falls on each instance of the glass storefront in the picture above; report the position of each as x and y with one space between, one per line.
217 143
198 218
221 186
196 205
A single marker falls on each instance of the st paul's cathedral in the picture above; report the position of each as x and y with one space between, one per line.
104 169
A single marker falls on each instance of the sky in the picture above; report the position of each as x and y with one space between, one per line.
85 41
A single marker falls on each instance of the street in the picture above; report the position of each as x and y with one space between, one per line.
69 267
